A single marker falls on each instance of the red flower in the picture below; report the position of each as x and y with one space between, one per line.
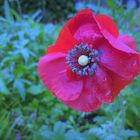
90 62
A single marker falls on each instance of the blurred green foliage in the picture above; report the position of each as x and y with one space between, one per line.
28 111
50 10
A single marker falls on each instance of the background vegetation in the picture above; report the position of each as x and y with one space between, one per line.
27 110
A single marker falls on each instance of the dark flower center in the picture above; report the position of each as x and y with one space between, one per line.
82 60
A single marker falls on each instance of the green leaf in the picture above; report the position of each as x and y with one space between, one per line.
25 54
36 89
129 133
45 133
110 3
15 14
18 84
36 15
7 11
74 135
59 127
3 88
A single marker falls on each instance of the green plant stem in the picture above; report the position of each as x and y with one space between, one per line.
19 7
122 125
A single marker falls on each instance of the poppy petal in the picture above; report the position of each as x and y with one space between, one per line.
77 29
84 17
115 43
88 33
118 83
125 65
65 88
84 27
128 40
49 66
108 24
103 83
51 69
52 49
64 43
87 101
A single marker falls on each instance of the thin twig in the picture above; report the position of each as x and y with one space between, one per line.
122 125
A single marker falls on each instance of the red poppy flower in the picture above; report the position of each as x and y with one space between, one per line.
90 63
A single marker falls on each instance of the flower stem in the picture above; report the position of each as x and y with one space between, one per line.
122 125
